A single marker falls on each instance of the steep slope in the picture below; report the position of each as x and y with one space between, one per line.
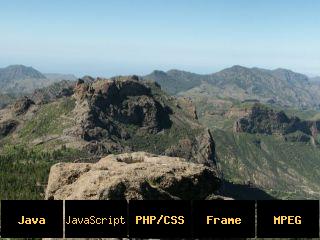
267 148
85 121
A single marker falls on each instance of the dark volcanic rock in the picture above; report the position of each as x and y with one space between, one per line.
7 127
113 113
53 92
266 121
126 102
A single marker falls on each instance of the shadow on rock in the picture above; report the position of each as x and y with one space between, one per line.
244 192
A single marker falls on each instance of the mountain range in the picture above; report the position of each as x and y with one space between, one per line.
280 86
259 129
19 79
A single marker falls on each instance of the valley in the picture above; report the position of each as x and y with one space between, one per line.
255 141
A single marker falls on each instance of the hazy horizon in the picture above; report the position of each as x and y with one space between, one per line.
146 73
107 38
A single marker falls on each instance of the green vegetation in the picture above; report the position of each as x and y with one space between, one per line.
288 170
281 86
50 119
286 167
158 143
175 81
24 171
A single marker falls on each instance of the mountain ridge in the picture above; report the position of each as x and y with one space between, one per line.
20 79
17 72
282 86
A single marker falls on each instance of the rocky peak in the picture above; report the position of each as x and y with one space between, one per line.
121 114
16 72
106 108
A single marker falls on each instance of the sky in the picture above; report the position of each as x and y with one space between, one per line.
119 37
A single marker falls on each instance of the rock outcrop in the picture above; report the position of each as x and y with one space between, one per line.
188 106
22 105
110 102
7 127
109 111
137 175
121 114
200 150
53 92
267 121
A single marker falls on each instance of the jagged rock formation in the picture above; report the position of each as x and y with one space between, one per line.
105 107
129 176
200 150
111 99
22 105
103 116
53 92
266 121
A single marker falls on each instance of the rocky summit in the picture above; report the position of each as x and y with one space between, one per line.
105 116
137 175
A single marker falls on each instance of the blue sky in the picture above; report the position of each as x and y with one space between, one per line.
111 37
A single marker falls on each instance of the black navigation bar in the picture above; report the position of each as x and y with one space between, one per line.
160 219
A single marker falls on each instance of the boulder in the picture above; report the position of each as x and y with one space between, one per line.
137 175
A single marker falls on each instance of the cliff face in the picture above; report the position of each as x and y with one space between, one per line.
266 121
125 102
103 116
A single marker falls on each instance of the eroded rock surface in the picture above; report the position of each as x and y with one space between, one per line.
267 121
137 175
200 150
